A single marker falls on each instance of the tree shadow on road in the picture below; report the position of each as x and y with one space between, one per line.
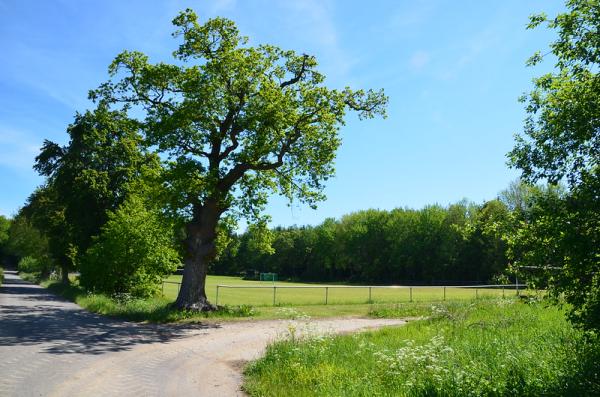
30 315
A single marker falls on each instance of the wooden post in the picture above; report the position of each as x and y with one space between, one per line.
274 294
326 294
444 292
410 289
370 300
217 299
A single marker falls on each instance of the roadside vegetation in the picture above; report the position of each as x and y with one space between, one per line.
159 309
490 347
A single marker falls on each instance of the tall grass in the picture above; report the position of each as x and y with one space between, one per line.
157 309
487 348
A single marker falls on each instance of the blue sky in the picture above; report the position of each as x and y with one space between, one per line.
453 71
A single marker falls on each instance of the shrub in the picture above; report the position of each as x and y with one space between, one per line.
31 264
133 253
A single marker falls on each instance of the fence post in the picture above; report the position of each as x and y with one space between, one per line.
476 293
217 299
444 292
326 294
370 300
274 294
503 291
410 289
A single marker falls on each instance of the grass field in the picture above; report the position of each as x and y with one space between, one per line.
257 304
492 347
336 294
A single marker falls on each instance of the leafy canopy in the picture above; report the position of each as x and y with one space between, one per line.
133 252
562 141
236 122
562 132
90 176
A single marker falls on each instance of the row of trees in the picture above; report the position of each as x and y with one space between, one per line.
458 243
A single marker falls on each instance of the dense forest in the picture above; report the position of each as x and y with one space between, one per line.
454 244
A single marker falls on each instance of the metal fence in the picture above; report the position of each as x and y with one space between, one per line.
162 288
505 288
516 287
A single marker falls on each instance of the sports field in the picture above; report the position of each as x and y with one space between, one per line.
335 294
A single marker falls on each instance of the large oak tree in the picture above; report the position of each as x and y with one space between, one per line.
234 123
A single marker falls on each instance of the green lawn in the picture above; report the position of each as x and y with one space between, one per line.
336 294
257 304
491 347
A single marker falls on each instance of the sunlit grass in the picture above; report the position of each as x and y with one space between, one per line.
490 347
244 304
335 294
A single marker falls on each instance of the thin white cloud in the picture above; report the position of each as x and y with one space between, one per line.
470 51
312 23
17 149
419 60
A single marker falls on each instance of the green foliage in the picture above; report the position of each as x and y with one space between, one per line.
562 132
4 228
30 264
25 240
134 252
492 348
236 121
87 178
561 141
561 234
47 214
462 242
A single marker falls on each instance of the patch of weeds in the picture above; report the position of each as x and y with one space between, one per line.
233 311
292 314
488 347
400 310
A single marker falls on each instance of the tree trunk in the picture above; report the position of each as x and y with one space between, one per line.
200 247
64 274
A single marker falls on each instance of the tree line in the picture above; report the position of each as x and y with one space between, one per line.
454 244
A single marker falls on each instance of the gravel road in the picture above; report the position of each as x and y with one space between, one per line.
51 347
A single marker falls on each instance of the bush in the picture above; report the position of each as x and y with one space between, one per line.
134 252
30 264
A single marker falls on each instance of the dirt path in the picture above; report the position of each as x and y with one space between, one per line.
51 347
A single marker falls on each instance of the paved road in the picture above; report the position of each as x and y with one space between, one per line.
51 347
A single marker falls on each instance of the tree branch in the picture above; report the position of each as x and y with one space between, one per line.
298 75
